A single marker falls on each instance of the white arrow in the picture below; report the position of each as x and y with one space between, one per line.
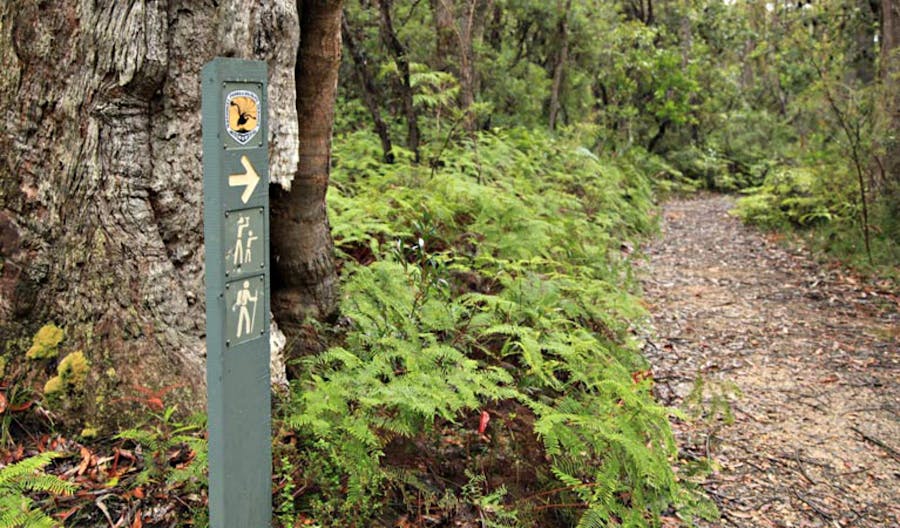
250 179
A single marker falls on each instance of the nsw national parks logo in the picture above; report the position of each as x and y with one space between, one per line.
242 115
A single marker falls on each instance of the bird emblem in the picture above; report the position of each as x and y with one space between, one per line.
242 115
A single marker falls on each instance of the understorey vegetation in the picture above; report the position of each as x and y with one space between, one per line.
484 368
486 364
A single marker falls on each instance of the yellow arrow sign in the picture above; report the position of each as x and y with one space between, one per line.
250 179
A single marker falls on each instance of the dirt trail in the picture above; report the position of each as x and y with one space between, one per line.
816 434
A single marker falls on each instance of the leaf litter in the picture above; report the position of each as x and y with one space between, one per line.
789 367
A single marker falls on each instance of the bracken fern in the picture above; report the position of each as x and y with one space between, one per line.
497 277
18 481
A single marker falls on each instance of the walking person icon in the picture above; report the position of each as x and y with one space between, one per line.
246 320
248 255
242 223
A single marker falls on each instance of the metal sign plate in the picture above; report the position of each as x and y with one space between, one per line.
243 245
244 300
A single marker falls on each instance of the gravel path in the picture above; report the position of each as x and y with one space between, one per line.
806 358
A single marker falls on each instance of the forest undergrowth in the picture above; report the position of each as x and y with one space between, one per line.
485 369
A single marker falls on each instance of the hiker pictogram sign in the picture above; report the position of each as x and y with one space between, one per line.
236 238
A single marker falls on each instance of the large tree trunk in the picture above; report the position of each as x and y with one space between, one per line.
302 247
100 181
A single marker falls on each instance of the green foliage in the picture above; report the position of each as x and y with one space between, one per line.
827 210
496 276
285 512
18 483
492 510
789 197
159 438
711 400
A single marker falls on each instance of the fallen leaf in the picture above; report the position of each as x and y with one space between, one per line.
63 515
137 520
22 406
483 423
85 461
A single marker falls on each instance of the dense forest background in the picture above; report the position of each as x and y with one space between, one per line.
790 102
461 343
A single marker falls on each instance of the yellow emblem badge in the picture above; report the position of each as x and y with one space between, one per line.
242 115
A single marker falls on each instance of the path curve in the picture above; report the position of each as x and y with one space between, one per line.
815 438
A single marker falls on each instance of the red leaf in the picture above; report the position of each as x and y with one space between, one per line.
3 403
21 406
137 520
62 516
483 423
641 375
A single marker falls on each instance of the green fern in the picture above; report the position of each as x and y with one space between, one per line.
162 435
495 277
18 481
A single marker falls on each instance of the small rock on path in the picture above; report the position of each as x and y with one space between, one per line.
813 352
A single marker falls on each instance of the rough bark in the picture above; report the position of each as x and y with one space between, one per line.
100 182
302 248
368 89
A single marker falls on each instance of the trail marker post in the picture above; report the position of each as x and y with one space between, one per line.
238 284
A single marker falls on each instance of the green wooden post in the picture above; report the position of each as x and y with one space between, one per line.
236 232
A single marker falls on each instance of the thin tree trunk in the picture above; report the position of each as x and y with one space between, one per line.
445 34
302 248
466 35
561 60
862 54
406 93
660 133
495 35
369 91
890 75
459 27
747 66
471 31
